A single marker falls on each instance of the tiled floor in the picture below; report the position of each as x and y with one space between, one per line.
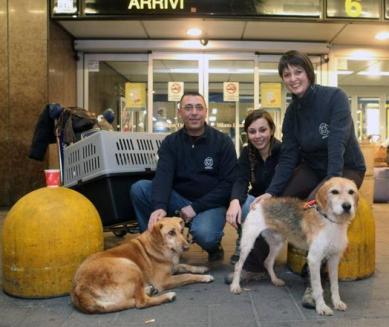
213 305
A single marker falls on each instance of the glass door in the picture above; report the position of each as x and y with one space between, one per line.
231 94
117 82
172 75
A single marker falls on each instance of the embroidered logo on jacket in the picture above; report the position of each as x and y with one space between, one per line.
324 130
208 163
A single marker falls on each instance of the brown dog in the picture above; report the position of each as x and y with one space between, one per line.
124 276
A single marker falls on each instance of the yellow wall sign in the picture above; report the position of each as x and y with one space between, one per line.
271 95
135 94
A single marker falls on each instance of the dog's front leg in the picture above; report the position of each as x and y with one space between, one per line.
173 281
314 262
333 264
183 268
252 227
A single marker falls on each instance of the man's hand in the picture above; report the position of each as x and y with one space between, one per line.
187 213
234 213
259 200
155 216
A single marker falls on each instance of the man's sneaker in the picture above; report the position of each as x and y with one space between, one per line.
216 254
308 301
246 276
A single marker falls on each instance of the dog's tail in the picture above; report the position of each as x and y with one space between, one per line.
83 300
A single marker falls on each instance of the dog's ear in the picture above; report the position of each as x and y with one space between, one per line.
321 196
182 223
156 230
356 198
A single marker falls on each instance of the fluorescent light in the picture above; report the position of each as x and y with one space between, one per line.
361 55
344 72
268 71
194 31
212 118
382 36
214 111
373 73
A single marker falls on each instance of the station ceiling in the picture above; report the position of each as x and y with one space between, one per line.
331 32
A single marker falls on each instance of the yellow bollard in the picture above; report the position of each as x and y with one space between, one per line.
46 235
358 260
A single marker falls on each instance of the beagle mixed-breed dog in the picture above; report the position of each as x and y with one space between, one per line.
322 230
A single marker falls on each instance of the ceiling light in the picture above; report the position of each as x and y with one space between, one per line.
194 31
382 36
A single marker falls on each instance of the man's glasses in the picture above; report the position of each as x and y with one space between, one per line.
190 107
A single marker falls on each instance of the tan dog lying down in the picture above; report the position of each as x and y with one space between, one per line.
322 230
121 277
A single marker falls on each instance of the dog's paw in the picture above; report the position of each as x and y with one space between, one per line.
235 288
151 290
278 282
340 305
208 278
202 269
171 296
324 310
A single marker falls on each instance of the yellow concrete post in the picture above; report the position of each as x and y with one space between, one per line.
46 235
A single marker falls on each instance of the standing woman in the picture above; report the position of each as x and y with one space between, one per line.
318 141
256 168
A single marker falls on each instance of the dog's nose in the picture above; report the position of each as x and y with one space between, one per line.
346 206
185 246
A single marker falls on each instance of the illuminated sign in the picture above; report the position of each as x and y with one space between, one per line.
357 9
156 4
353 8
343 9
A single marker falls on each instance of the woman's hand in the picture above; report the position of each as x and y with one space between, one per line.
259 199
234 213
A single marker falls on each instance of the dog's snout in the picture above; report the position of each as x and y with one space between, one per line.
346 206
185 246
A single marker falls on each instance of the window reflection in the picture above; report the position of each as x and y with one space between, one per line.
367 84
107 89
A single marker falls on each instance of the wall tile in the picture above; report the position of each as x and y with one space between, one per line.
4 114
27 89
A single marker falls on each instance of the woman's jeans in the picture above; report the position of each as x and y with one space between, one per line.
206 227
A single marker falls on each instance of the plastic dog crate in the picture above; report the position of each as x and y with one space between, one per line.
104 165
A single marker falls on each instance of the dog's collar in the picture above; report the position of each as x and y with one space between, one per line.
310 204
313 204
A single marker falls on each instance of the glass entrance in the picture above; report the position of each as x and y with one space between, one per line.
144 90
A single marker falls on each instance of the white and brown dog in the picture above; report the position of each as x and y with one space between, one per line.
321 230
120 278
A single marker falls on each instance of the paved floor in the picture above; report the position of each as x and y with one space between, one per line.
213 305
